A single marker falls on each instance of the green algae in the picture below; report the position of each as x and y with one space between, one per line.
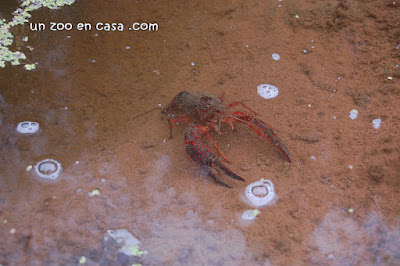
21 16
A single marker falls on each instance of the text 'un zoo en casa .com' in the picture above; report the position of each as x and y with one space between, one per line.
100 26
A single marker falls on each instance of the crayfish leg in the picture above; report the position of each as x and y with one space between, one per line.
264 131
268 132
171 122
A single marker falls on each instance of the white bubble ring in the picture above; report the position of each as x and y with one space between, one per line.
260 193
48 169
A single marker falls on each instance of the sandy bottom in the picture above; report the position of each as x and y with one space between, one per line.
97 97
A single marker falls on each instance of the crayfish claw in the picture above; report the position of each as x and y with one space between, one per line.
228 171
216 178
266 132
204 156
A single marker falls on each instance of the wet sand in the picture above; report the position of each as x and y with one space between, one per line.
98 97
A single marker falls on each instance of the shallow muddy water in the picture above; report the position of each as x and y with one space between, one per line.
97 96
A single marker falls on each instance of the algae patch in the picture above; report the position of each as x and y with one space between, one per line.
21 16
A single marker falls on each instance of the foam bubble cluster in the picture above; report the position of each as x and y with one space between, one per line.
267 91
27 127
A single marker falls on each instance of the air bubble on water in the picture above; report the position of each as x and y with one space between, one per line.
48 169
267 91
260 193
275 56
376 123
353 114
27 127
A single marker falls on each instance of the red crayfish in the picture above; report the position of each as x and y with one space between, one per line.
203 111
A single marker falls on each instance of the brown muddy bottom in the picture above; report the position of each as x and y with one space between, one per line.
98 95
